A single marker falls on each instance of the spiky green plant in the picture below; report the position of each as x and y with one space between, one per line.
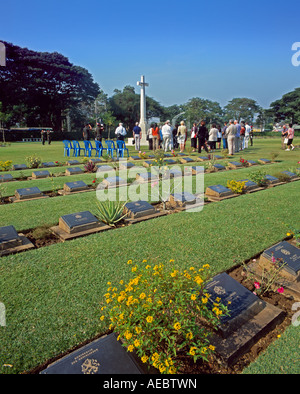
110 212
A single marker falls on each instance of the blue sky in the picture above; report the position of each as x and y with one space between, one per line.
216 50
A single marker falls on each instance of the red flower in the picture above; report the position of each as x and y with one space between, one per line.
256 285
94 181
280 290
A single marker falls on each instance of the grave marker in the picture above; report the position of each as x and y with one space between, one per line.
72 162
126 166
235 164
250 317
75 186
6 178
9 237
146 177
134 158
202 158
104 356
219 167
182 199
148 163
114 181
40 174
175 172
218 192
251 163
19 167
49 164
197 170
218 157
290 174
250 186
170 161
286 254
272 180
138 209
74 170
186 160
78 222
264 161
28 193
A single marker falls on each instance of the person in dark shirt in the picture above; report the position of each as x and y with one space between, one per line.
86 132
202 136
99 131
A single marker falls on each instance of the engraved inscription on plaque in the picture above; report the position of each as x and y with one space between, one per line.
76 222
9 237
287 254
138 209
29 192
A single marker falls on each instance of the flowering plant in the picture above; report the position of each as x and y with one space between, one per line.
163 314
143 155
5 165
237 187
244 162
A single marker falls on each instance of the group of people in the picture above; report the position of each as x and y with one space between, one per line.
234 136
287 136
46 135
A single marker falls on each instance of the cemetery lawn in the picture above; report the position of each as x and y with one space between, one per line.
52 294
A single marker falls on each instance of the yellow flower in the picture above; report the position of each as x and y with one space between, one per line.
155 356
193 297
205 266
174 273
144 359
193 350
137 343
288 234
142 296
171 261
204 300
189 335
177 326
127 335
198 279
148 266
172 370
144 261
130 348
149 319
121 282
138 330
129 262
162 368
211 347
133 269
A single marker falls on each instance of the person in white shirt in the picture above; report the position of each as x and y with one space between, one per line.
247 134
213 137
167 135
120 132
230 133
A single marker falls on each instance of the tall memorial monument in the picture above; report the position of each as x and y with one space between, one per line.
143 120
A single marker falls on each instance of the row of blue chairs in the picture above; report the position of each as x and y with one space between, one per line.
110 147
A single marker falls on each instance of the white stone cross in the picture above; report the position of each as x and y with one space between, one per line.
2 54
143 123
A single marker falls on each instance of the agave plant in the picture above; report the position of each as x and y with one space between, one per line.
110 212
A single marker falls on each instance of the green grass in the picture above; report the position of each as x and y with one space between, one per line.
52 294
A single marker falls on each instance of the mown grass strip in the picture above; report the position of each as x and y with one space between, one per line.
52 294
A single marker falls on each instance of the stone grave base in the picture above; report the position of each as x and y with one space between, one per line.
230 349
64 236
146 217
15 199
217 198
24 245
66 193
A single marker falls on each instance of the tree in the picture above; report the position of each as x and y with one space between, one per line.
197 109
286 108
242 109
45 84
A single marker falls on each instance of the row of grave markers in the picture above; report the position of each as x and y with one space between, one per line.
249 319
147 163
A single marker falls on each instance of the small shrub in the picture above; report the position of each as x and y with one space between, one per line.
90 167
143 155
282 177
274 156
33 161
164 314
237 187
42 232
244 162
258 177
5 165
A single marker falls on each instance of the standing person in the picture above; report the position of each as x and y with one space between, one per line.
284 136
86 132
155 135
49 136
175 139
99 132
242 136
213 137
150 137
202 137
231 132
120 132
43 136
224 137
194 132
237 135
219 136
291 134
247 135
181 135
251 135
167 135
137 134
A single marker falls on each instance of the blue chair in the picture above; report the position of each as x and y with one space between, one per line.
111 147
121 148
67 147
89 148
77 148
99 148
